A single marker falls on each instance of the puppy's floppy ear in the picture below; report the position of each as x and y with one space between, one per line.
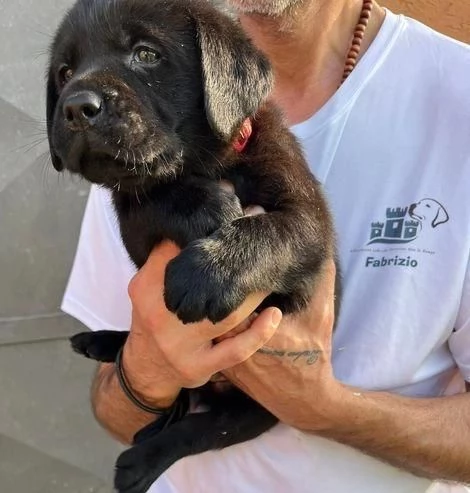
237 76
51 103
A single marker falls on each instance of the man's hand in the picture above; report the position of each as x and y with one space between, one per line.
292 375
162 355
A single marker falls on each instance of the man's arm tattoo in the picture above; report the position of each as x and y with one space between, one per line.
310 355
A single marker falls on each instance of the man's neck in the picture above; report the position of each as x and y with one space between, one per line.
308 48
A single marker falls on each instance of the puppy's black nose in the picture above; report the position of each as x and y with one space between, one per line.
82 107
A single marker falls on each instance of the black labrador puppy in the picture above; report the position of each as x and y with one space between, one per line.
159 100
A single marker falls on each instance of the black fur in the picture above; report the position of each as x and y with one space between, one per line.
159 135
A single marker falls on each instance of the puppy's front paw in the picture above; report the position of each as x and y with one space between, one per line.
199 283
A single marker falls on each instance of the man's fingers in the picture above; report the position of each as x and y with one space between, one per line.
161 255
235 350
330 277
153 271
324 292
146 286
235 318
238 329
150 279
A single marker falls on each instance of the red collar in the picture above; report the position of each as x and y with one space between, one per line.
246 130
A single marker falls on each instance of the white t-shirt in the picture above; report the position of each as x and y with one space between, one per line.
392 148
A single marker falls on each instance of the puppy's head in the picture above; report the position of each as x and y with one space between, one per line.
140 90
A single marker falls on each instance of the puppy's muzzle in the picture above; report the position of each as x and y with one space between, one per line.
83 109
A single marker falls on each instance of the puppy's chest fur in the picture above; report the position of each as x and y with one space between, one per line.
270 172
182 211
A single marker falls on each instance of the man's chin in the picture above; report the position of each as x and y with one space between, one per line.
272 8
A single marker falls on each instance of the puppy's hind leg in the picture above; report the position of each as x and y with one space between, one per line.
102 345
140 466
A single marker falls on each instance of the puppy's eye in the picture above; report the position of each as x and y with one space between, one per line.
146 55
65 74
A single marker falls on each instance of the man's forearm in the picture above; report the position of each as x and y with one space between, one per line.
113 410
427 437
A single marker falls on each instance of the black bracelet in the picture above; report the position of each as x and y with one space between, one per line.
130 395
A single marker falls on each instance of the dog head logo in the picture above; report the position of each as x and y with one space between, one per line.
404 224
429 211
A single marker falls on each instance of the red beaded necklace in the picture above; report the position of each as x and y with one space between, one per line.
359 31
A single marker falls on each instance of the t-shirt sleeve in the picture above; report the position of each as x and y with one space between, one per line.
96 292
459 342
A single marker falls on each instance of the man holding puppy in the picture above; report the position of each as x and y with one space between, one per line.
382 109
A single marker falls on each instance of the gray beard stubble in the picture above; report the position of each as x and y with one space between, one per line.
264 7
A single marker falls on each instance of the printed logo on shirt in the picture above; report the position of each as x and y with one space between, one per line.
403 224
386 246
